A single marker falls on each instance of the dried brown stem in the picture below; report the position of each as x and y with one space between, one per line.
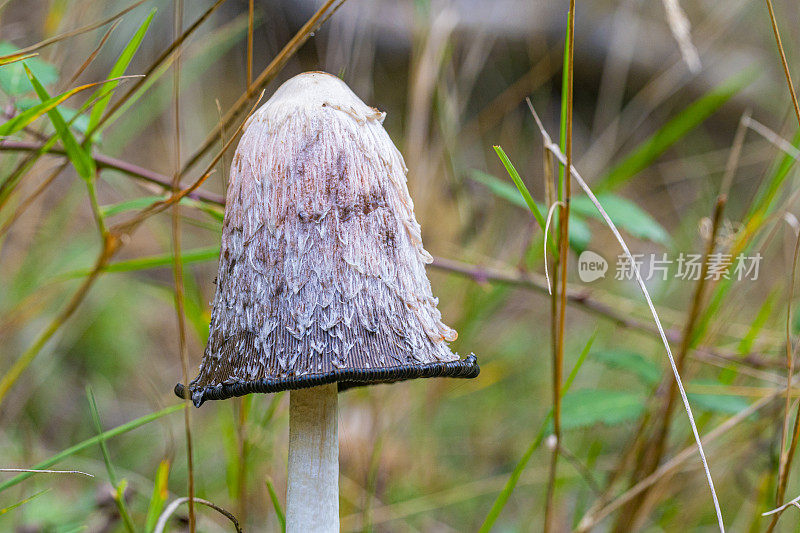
784 63
266 76
787 456
177 264
563 258
250 12
786 460
94 53
73 33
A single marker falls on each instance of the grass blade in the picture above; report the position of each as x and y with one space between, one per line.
112 475
673 131
81 160
119 494
523 190
276 504
7 60
5 510
118 70
18 122
198 255
502 498
111 433
159 497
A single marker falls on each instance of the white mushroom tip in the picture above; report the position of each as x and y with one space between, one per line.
314 90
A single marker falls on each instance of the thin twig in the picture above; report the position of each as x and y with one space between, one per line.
112 163
582 470
770 135
782 507
35 471
173 506
734 155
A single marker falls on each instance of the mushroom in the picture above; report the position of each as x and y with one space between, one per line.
321 283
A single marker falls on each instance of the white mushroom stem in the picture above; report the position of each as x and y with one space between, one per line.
312 494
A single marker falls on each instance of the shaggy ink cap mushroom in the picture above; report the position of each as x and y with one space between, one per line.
322 269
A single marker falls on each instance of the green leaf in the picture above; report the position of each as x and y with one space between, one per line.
198 255
625 214
21 120
130 205
726 404
589 407
80 159
632 362
499 188
12 76
579 232
580 235
76 120
111 433
673 131
119 68
159 496
214 211
523 190
4 510
276 504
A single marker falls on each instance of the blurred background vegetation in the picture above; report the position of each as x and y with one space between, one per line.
654 128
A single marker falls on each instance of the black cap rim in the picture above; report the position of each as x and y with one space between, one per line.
466 368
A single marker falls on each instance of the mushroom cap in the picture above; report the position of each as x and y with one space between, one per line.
322 271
